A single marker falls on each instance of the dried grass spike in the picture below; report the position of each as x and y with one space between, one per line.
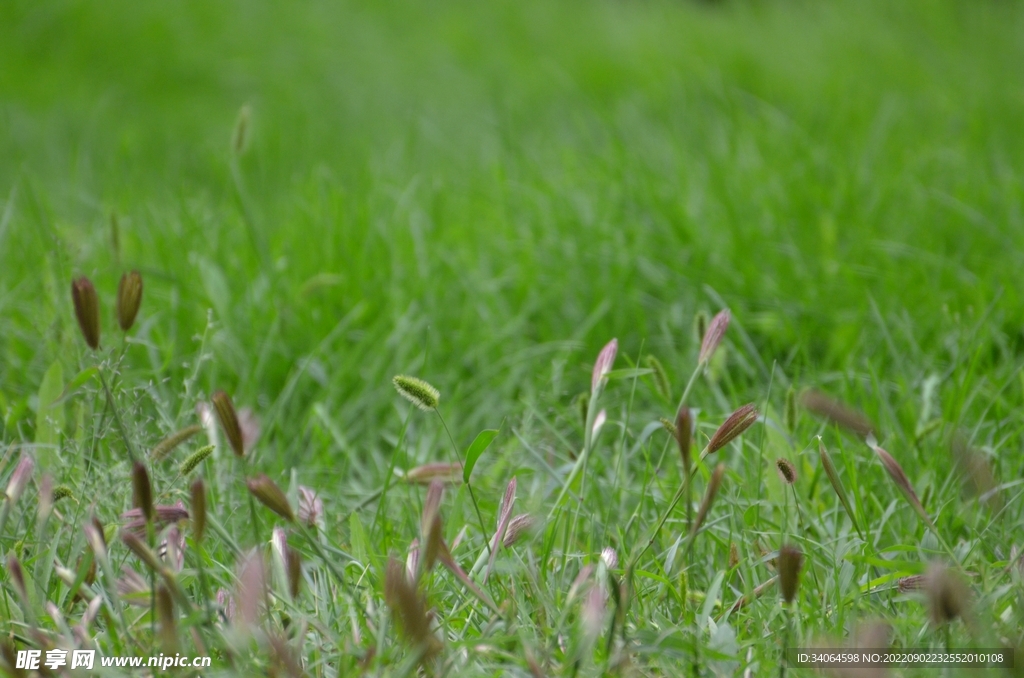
713 336
791 561
229 421
418 392
707 501
198 492
129 298
786 470
684 436
142 491
736 423
837 413
87 310
603 364
895 472
270 495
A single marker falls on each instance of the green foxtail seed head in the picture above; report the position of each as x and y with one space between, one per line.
87 310
736 423
129 298
790 562
195 459
167 445
142 491
270 495
198 492
418 392
660 376
62 492
229 421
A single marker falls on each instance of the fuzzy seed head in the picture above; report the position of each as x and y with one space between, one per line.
517 527
137 546
790 563
895 472
684 436
129 298
293 570
229 421
669 427
193 460
734 555
409 608
709 498
914 582
168 620
418 392
62 492
603 364
270 495
17 576
311 507
948 596
837 413
713 336
20 478
786 470
167 445
450 474
142 491
791 413
198 492
736 423
87 310
660 376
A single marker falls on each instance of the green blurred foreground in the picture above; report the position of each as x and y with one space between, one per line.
321 195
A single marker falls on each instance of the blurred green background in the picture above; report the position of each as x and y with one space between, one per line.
483 193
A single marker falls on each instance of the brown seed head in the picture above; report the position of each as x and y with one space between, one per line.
603 364
974 470
708 500
293 569
786 470
198 491
837 485
837 413
141 550
142 491
168 620
450 474
948 597
87 310
895 472
713 337
914 582
409 608
129 297
270 495
737 422
167 445
684 435
229 421
18 577
790 562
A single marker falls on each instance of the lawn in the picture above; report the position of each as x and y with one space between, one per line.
322 195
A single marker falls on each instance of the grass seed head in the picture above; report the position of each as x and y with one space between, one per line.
713 336
734 555
87 310
914 582
790 563
62 492
17 577
895 472
311 507
198 492
137 546
418 392
270 495
948 596
168 620
193 460
974 470
736 423
709 499
409 608
167 445
449 473
667 424
163 515
837 413
142 491
603 364
684 436
786 470
229 421
660 376
129 298
293 570
791 414
20 478
833 479
517 527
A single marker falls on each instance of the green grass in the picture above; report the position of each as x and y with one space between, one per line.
482 195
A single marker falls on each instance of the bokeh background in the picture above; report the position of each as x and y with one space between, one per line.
483 194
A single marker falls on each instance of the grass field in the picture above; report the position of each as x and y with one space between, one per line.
322 195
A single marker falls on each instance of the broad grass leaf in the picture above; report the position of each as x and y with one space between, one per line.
482 441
